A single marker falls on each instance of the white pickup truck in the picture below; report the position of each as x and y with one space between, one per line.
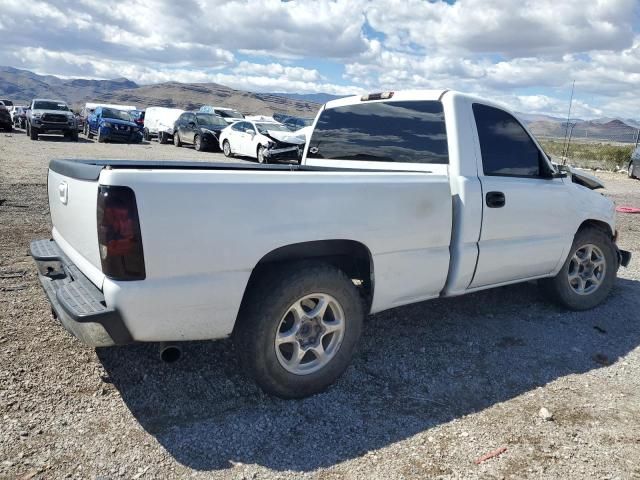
400 197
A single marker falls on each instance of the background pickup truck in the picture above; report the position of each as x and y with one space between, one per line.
51 116
401 197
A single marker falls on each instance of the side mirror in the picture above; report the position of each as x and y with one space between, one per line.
192 124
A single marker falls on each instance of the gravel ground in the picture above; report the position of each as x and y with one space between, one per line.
433 386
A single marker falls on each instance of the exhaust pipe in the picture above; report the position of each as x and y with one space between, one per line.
170 353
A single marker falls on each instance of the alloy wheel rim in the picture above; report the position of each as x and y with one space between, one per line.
587 269
310 334
227 148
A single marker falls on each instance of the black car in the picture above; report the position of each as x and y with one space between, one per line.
5 118
198 129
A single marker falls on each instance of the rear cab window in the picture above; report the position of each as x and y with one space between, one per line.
392 131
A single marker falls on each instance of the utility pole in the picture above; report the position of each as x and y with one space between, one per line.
565 146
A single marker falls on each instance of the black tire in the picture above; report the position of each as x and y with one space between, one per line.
33 132
99 137
559 290
260 155
74 136
176 139
265 304
226 149
9 128
162 138
145 135
630 170
197 143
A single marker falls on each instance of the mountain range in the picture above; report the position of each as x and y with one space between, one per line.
21 86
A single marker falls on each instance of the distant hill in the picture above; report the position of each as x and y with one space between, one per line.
613 130
310 97
21 86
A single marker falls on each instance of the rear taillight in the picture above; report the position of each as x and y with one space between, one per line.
119 234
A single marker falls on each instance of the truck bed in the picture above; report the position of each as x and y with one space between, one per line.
206 226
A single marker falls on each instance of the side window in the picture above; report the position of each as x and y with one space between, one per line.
237 126
189 117
402 131
507 149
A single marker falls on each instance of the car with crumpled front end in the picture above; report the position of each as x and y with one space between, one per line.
265 141
47 116
112 125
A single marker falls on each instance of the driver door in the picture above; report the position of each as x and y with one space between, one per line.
245 139
525 232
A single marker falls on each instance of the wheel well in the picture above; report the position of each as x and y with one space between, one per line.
352 257
597 224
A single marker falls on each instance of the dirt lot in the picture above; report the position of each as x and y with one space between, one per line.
433 386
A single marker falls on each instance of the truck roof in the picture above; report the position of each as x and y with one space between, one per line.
49 100
400 95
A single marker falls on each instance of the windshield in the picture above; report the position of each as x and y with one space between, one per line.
210 120
276 127
307 122
116 114
50 106
7 103
229 114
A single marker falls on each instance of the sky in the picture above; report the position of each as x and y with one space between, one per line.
523 53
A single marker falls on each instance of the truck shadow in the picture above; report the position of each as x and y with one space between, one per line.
417 367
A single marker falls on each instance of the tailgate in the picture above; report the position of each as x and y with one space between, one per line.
73 204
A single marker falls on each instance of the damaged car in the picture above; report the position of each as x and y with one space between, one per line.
202 130
265 141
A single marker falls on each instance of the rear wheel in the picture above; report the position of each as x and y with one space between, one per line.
161 137
176 140
298 328
588 274
226 149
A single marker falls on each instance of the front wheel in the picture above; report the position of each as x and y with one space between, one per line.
298 328
588 274
197 143
176 140
260 155
33 132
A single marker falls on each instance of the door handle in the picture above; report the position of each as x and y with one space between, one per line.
496 200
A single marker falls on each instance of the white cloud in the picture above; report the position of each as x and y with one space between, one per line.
525 54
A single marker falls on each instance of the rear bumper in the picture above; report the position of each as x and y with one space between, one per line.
75 301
